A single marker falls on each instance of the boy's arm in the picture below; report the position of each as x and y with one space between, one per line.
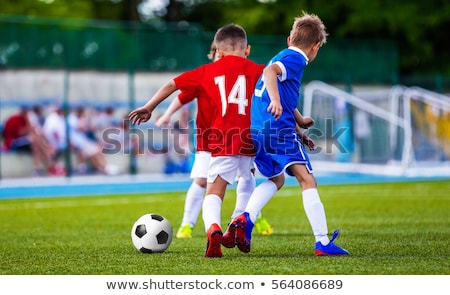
186 95
303 122
144 113
174 106
270 80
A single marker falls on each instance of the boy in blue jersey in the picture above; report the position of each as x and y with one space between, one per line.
273 129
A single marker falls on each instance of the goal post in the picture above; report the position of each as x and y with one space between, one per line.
387 130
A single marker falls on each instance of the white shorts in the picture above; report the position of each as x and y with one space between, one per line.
229 167
87 147
201 165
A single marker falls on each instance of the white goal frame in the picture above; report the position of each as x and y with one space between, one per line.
398 116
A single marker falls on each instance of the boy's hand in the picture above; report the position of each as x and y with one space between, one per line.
139 115
307 141
275 109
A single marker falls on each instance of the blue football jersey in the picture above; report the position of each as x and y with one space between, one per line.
292 61
276 141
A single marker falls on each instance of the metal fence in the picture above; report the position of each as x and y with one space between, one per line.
98 64
37 43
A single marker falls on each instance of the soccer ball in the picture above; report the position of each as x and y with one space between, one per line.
151 233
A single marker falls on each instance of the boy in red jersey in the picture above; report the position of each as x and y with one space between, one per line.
199 172
226 87
231 79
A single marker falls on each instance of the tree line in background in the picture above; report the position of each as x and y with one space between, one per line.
419 28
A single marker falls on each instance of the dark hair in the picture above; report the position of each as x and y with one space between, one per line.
231 37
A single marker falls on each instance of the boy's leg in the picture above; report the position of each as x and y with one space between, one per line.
244 223
244 189
195 194
212 205
315 211
192 207
312 204
211 217
262 194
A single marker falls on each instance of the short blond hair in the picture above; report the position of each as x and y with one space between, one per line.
307 30
212 51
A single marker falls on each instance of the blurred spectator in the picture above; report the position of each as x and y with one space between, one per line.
86 148
37 120
119 139
20 134
103 119
36 116
178 160
54 130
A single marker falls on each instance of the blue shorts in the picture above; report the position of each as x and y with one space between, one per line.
21 144
274 154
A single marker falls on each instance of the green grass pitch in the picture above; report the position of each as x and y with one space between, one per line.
389 228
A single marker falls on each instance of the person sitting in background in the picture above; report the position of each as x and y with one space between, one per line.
86 149
177 160
102 119
36 116
54 130
19 134
120 139
37 119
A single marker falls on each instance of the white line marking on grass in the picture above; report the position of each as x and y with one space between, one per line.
86 202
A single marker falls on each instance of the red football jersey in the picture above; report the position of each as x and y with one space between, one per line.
15 126
203 120
224 91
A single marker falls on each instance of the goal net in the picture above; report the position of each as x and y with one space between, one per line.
380 130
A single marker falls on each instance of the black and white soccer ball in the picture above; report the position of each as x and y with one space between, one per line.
151 233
